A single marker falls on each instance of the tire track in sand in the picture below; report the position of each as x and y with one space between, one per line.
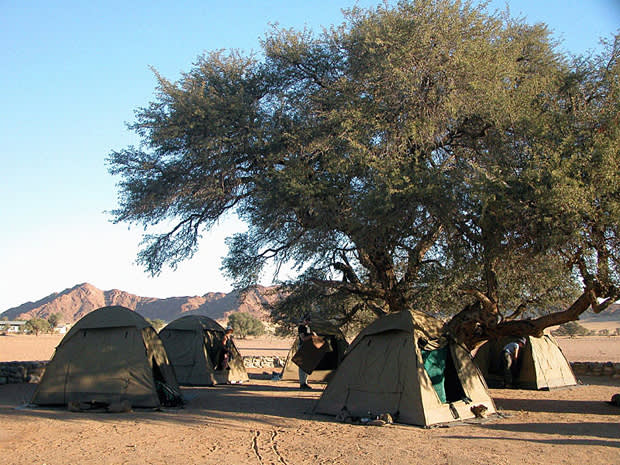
266 450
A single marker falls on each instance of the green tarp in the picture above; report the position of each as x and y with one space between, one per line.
435 366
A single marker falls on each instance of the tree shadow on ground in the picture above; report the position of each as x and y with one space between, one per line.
253 398
584 407
567 441
585 380
270 403
598 429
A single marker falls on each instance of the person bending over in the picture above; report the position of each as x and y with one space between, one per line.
511 355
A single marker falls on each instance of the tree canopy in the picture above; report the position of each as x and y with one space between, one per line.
37 325
571 328
246 324
54 320
426 155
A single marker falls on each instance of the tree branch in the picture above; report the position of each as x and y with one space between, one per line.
416 255
353 288
347 271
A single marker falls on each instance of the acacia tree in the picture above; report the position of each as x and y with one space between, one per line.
54 320
246 324
427 155
37 325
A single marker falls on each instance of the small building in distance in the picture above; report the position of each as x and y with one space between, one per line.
12 326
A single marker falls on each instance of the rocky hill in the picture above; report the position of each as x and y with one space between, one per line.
612 313
72 304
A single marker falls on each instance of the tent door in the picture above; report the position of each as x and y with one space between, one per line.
167 396
440 368
330 357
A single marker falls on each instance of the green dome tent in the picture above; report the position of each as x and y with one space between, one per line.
194 345
110 355
403 365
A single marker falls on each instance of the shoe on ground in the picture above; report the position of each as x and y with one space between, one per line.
306 386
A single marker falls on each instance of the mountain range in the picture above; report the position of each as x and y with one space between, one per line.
73 303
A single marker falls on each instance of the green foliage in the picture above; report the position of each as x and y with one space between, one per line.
245 324
572 329
37 325
54 319
423 155
310 300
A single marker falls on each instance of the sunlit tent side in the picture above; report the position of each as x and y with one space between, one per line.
194 345
403 365
542 365
110 355
328 362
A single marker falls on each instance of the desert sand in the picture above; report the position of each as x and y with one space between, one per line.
271 422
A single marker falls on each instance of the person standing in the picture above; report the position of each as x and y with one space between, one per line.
227 348
304 333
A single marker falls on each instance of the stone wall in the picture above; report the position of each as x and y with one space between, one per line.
31 372
263 361
21 372
596 369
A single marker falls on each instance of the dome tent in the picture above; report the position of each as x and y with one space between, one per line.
194 345
541 366
110 355
325 363
403 365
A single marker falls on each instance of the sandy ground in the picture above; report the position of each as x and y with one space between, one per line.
591 349
268 422
271 422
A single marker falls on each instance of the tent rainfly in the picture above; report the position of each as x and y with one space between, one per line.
323 361
541 366
194 345
111 355
403 365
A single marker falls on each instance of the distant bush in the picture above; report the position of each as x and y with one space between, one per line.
572 329
245 324
37 325
54 320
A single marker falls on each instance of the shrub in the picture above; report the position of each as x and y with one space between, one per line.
245 324
572 329
37 325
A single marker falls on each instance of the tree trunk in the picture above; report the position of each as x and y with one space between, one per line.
475 323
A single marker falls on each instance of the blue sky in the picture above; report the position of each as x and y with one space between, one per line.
73 72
